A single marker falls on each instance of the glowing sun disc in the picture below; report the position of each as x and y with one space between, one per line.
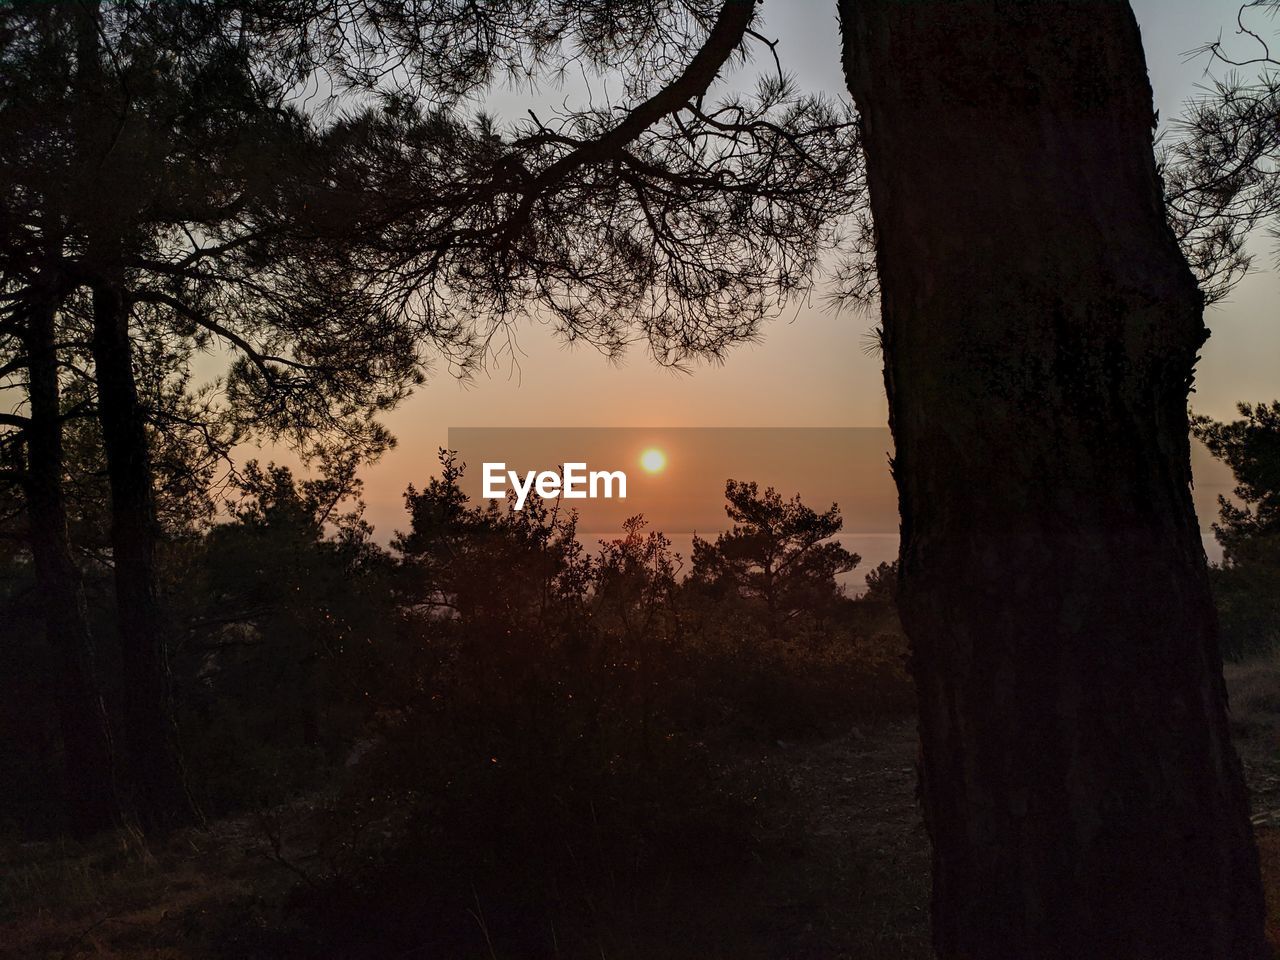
653 460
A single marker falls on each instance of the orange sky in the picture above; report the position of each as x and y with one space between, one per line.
811 369
827 465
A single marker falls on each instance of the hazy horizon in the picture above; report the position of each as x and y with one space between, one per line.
811 367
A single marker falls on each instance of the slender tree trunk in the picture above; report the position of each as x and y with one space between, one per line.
155 764
89 777
155 771
1040 330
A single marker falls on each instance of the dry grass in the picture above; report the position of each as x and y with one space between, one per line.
116 898
840 868
1254 688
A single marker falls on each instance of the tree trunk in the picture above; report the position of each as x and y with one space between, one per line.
1040 332
92 802
155 763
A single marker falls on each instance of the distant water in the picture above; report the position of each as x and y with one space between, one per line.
872 548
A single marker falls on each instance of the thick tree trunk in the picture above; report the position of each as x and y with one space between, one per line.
1040 332
87 762
155 763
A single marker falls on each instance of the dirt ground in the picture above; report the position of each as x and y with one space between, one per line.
840 871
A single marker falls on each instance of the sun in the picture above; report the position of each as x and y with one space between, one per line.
653 460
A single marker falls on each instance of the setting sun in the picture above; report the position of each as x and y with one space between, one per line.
653 460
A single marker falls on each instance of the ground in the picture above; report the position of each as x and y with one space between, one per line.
839 872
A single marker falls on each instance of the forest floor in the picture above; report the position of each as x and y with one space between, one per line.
839 870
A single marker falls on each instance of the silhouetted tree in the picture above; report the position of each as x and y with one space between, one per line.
1220 171
294 618
882 583
32 293
491 568
1251 448
59 485
1247 584
633 592
247 228
88 766
1040 329
155 142
778 552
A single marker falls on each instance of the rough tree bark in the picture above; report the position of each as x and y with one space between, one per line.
155 764
87 761
1040 334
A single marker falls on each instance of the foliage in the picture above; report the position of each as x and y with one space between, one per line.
549 728
1221 169
309 193
286 608
778 552
1251 448
882 583
488 712
1247 584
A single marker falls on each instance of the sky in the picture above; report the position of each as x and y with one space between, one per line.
810 369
